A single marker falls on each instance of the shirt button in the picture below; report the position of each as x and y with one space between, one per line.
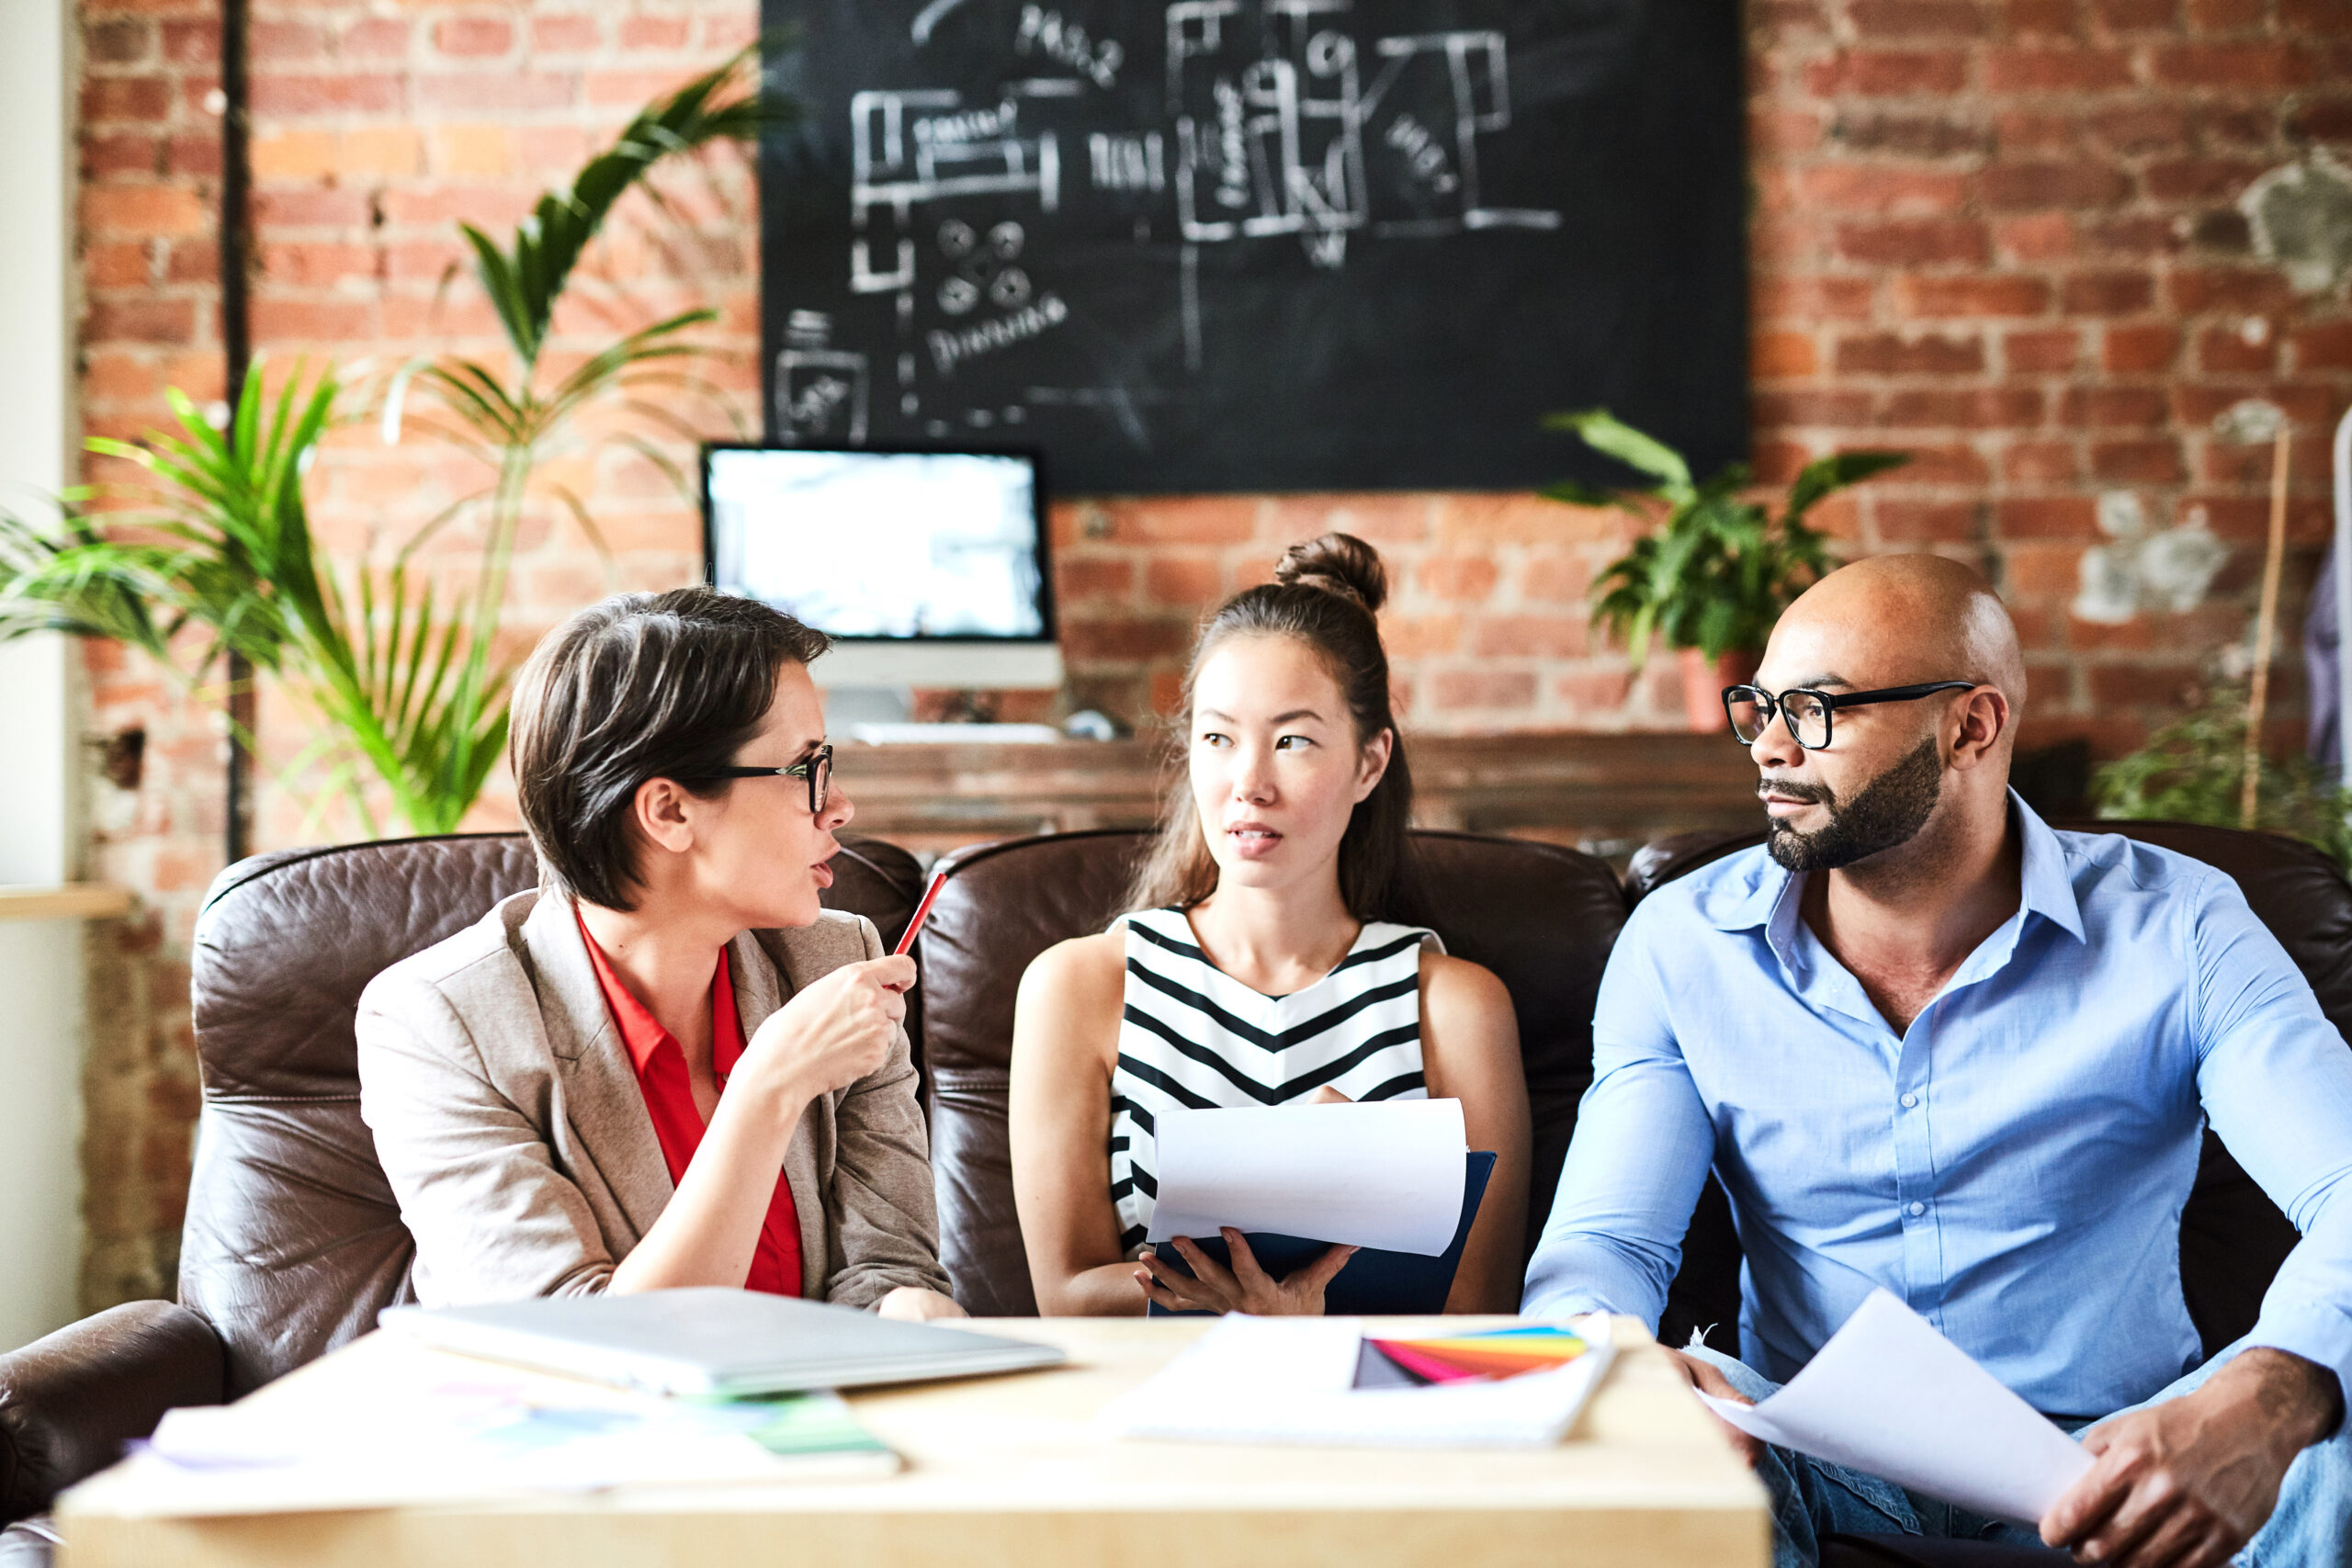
1917 1209
1909 1100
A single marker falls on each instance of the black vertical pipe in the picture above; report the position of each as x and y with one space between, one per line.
236 349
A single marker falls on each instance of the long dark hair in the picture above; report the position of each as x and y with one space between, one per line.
1325 594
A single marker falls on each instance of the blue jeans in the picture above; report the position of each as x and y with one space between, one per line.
2311 1526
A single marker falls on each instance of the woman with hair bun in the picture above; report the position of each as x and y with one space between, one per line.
1276 922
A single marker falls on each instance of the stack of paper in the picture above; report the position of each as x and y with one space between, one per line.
1296 1380
486 1432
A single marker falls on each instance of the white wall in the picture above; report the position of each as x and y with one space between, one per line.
40 962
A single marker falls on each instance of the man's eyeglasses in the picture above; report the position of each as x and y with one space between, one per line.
1808 713
817 768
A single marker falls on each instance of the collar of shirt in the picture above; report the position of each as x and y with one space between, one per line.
1771 898
641 1033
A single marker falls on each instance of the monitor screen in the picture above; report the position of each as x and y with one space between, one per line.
881 544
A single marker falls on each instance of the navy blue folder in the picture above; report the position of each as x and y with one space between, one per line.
1374 1283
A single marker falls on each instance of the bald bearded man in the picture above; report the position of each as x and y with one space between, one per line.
1932 1045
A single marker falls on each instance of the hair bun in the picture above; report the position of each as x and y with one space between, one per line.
1336 563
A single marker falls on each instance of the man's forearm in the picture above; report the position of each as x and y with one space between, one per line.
2299 1399
1574 1273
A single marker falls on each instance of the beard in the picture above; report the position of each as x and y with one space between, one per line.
1887 811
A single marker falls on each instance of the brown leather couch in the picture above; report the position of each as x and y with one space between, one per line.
293 1245
1541 917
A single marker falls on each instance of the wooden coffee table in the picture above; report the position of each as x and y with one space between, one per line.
1010 1472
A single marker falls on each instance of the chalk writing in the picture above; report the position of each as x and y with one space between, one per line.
949 349
1067 44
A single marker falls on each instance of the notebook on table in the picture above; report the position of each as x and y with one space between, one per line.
713 1340
1374 1284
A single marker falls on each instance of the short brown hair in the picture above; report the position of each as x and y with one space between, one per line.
1327 593
640 686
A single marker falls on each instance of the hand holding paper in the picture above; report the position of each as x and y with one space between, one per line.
1890 1396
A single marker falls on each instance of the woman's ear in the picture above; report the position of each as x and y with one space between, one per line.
659 810
1373 762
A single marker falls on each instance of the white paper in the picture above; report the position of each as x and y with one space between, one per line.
1890 1396
1289 1380
1387 1173
475 1432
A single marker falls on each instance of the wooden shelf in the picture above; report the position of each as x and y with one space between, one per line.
1604 792
64 902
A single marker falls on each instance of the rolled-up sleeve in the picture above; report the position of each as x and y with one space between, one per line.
1639 1159
2275 1079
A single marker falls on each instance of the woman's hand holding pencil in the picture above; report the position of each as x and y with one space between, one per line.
922 913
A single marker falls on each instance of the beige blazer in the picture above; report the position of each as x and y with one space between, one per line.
508 1118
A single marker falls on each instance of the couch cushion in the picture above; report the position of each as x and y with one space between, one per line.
1541 917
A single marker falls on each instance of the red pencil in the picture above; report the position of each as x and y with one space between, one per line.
923 910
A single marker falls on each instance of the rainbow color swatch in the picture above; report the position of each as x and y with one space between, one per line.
1488 1357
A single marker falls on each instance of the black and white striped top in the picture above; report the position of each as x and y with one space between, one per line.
1193 1035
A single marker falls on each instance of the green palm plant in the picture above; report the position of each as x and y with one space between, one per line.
77 579
510 419
1721 570
219 537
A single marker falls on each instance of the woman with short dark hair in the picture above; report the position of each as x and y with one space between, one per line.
669 1066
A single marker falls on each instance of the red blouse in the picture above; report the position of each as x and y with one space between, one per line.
677 1121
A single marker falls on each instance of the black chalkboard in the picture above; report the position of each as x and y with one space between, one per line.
1191 245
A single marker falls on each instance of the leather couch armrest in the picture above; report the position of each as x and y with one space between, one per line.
69 1402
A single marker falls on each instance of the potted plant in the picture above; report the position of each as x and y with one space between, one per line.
222 543
2193 770
1716 575
408 680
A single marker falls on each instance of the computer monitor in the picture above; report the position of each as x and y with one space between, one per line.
928 568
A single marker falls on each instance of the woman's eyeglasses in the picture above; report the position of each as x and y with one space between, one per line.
1808 713
817 768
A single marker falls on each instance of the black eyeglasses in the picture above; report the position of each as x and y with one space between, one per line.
817 768
1807 712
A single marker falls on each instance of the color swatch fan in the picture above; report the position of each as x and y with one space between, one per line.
1489 1357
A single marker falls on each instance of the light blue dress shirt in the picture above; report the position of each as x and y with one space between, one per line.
2013 1165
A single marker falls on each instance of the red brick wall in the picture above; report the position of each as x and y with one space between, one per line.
1999 232
2004 235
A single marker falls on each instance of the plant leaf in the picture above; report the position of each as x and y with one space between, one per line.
1604 433
524 280
1825 475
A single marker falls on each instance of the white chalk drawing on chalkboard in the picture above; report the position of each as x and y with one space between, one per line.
1277 145
984 266
913 146
929 17
1281 123
820 391
1066 43
1478 83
